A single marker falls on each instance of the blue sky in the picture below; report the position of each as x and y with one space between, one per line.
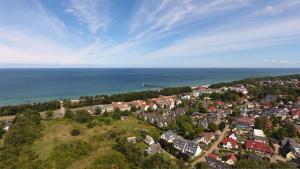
150 33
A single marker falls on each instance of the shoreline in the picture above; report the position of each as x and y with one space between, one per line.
77 97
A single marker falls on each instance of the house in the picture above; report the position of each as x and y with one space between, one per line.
229 143
187 147
259 136
256 146
154 148
131 139
205 138
244 123
148 140
163 121
7 126
289 148
122 106
213 156
233 135
268 124
230 159
168 136
203 123
296 114
213 118
216 164
238 136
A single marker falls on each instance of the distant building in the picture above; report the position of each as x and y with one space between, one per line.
205 138
230 143
256 146
154 148
259 136
289 148
131 139
168 136
187 147
149 140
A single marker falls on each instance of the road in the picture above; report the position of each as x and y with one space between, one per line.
213 147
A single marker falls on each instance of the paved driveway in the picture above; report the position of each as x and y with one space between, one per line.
213 147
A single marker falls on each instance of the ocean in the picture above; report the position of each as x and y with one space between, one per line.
35 85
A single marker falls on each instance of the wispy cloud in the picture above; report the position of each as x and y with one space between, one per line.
155 17
280 62
277 8
91 32
259 35
94 13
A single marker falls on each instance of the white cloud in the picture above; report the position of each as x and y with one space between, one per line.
22 48
94 13
278 8
267 34
155 17
280 62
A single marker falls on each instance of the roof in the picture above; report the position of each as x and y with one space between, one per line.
259 133
154 148
212 155
207 135
148 140
232 157
185 146
232 141
169 134
258 146
216 164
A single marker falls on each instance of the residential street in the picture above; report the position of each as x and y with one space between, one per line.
213 147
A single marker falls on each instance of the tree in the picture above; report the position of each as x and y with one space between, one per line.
259 123
49 114
75 132
98 111
159 161
222 126
82 116
291 130
212 127
282 165
251 164
202 165
68 113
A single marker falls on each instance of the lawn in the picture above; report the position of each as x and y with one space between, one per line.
101 138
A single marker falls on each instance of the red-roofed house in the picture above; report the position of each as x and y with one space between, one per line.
258 147
219 103
231 159
212 108
206 137
213 156
229 143
296 114
268 124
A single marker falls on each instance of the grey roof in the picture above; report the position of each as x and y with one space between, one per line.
290 145
179 144
148 139
169 134
154 148
185 146
216 164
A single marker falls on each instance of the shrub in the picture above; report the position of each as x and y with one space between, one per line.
75 132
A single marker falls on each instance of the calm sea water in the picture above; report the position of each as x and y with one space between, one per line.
30 85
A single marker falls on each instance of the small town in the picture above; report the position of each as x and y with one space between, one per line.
221 126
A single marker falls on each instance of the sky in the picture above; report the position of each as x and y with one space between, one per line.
149 33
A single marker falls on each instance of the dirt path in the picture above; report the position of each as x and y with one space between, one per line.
213 147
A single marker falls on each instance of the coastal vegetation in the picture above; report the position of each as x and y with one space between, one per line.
51 143
92 100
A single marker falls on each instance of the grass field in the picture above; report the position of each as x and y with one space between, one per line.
101 138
